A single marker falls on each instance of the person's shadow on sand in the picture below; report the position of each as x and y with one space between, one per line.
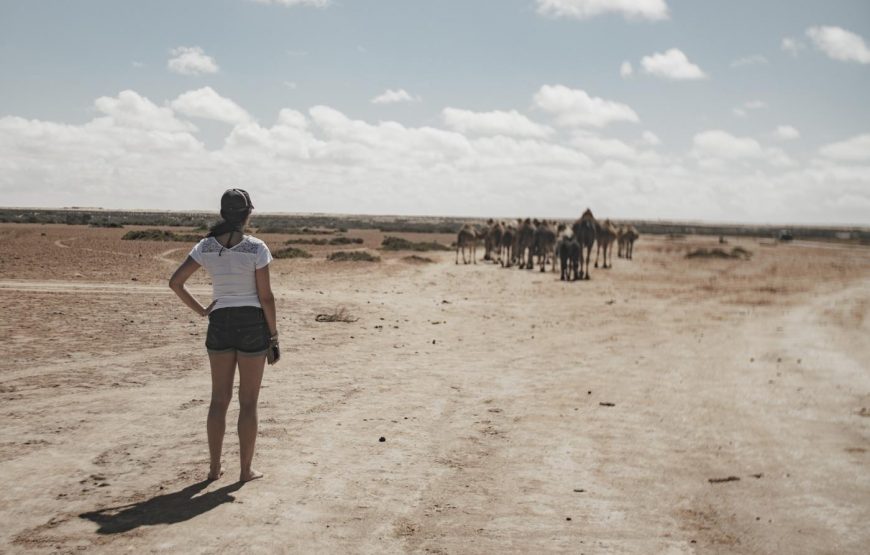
169 508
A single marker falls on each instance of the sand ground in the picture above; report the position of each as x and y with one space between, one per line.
491 387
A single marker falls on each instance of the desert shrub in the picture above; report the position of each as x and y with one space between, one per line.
399 244
353 256
409 227
106 224
339 315
417 259
159 235
736 252
346 241
291 252
305 242
281 227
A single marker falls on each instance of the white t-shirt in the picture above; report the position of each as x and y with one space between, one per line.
232 270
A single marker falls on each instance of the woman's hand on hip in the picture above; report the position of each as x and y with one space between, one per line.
207 310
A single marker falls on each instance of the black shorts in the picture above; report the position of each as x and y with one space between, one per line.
238 328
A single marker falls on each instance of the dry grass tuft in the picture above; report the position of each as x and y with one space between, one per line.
291 252
417 259
735 253
398 244
353 256
159 235
340 315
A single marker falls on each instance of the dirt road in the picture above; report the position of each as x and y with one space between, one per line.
520 414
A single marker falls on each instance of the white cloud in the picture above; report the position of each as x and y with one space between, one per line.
715 146
651 138
744 108
493 123
600 147
191 61
654 10
625 70
753 60
291 3
791 45
672 64
137 64
840 44
391 97
136 153
574 107
786 133
206 103
856 148
291 85
130 109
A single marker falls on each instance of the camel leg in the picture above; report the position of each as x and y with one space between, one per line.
588 259
457 252
474 253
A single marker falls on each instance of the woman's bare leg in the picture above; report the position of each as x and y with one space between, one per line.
223 370
250 377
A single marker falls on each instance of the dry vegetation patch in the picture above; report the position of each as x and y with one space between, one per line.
353 256
339 315
417 259
291 252
735 253
391 243
278 227
160 235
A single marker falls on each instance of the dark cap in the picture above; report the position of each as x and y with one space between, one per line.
236 200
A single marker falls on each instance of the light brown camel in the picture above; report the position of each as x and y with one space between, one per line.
620 240
605 236
467 239
631 235
584 232
526 244
545 242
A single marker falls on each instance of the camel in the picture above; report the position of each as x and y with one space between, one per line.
568 250
467 239
526 242
584 232
508 240
629 237
493 241
605 236
545 241
620 240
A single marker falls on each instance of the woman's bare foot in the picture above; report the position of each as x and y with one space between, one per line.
250 475
212 475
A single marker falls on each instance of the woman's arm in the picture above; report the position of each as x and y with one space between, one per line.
176 283
267 299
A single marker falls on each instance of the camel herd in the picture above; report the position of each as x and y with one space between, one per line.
518 244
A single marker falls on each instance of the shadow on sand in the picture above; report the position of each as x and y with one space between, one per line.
169 508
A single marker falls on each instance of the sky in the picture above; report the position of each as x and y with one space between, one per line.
744 111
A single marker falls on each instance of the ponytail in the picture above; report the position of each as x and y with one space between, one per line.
230 221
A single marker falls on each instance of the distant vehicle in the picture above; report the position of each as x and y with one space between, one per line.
784 235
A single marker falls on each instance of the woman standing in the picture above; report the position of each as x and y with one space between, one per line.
242 323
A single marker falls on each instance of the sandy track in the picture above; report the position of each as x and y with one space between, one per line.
495 433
